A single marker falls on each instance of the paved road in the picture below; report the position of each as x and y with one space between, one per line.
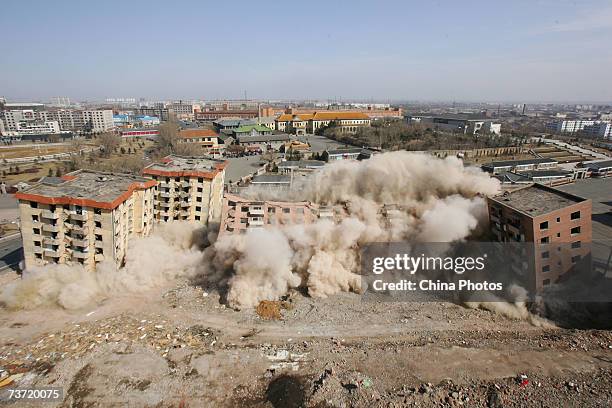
11 253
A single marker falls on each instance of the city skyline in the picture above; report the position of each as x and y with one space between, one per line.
519 52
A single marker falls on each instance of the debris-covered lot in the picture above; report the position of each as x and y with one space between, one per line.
181 347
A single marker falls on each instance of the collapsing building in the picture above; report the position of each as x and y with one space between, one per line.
240 214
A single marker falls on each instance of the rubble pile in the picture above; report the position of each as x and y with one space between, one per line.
79 339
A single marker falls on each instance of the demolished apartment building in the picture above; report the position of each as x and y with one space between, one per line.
240 214
84 217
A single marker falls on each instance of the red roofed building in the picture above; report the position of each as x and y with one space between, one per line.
84 217
189 188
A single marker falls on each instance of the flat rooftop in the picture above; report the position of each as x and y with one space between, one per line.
174 165
347 150
271 178
604 164
536 200
86 187
301 163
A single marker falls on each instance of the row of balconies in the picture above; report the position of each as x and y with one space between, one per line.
164 184
73 215
182 213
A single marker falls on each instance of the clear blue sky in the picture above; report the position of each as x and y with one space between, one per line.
516 50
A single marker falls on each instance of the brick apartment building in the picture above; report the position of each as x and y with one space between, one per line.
558 223
84 217
240 214
189 188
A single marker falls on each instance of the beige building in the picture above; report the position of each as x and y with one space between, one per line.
302 123
189 188
240 214
84 217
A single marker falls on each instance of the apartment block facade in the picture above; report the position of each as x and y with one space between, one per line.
241 214
84 217
188 189
558 223
100 120
594 128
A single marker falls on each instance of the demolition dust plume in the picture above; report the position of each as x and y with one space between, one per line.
398 196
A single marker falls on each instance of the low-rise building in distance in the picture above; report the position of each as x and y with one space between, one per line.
459 123
535 163
302 123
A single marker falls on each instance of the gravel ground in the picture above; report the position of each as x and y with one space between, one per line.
180 347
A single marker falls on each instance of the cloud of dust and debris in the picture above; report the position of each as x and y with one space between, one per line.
167 254
391 197
397 196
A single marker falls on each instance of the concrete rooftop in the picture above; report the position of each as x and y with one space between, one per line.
536 200
89 185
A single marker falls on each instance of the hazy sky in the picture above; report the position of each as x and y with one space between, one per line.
513 50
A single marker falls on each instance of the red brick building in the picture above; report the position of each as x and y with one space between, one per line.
558 223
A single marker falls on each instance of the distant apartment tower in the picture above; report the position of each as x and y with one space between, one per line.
558 223
11 119
601 129
96 121
181 110
189 188
84 217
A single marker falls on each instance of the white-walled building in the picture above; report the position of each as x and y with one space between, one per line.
99 120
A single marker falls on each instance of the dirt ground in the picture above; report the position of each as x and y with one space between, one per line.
180 347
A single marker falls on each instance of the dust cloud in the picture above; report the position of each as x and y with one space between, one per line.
398 196
169 253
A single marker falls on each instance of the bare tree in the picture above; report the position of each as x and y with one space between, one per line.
109 143
168 137
77 144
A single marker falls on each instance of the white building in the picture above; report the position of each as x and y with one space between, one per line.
595 128
12 118
93 120
568 126
25 128
99 120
